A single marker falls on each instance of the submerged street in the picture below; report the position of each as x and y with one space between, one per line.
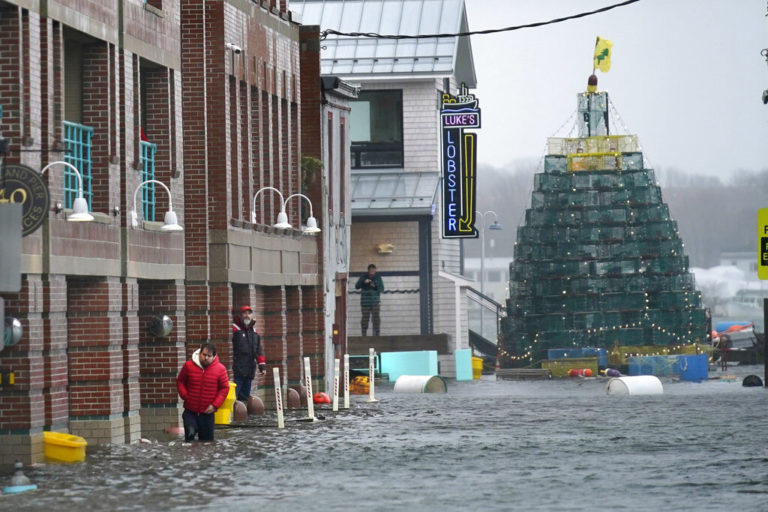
485 445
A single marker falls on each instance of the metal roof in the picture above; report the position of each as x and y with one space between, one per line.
363 56
394 193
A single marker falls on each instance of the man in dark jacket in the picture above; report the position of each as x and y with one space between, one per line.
247 353
371 286
203 385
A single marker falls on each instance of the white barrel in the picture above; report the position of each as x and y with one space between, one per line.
420 384
635 385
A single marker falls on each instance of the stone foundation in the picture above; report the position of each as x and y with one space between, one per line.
25 448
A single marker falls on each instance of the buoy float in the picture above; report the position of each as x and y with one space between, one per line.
580 372
321 398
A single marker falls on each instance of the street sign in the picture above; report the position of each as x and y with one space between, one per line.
762 243
10 247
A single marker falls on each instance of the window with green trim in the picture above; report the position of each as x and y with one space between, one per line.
77 141
148 197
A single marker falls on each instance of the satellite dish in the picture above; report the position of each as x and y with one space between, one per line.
160 326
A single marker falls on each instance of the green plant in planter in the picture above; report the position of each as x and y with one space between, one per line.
311 168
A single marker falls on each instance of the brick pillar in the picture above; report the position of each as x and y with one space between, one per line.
96 114
221 322
96 359
131 360
197 319
11 79
157 128
22 405
127 110
273 340
313 329
55 393
160 358
293 335
51 86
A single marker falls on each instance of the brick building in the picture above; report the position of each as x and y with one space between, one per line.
193 104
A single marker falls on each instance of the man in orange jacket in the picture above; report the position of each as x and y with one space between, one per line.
203 385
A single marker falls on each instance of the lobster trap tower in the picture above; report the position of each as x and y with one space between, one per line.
598 261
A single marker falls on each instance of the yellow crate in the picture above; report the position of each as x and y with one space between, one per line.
61 447
561 367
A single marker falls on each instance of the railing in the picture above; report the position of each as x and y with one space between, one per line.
376 154
148 198
77 140
484 315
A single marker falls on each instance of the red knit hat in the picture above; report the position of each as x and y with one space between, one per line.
246 308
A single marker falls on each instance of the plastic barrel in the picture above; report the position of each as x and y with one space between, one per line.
223 416
477 367
635 385
420 384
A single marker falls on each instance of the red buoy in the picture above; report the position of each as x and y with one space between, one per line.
321 398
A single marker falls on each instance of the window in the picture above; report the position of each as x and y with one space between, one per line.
77 140
377 129
148 200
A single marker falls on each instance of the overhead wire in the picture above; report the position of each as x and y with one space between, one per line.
325 33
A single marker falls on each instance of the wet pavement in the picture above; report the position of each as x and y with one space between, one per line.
485 445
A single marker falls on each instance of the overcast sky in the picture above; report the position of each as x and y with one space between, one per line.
686 77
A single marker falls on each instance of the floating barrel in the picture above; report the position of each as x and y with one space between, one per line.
635 385
420 384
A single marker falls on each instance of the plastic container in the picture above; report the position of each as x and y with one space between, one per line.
477 367
636 385
223 415
61 447
420 384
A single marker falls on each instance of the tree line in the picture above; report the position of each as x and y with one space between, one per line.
714 214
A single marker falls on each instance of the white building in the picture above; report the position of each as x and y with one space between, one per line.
395 154
496 271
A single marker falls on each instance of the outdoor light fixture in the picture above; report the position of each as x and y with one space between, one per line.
282 217
236 49
80 205
311 227
170 222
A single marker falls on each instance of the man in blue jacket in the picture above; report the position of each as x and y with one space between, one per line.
371 287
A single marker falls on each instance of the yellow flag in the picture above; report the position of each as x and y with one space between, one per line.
602 60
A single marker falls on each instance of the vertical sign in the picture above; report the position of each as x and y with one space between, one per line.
762 243
459 159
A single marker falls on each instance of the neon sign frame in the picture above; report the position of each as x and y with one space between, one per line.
459 155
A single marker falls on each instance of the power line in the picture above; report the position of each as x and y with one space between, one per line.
325 33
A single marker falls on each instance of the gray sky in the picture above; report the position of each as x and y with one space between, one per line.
686 77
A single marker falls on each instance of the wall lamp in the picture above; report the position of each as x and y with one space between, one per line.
282 216
80 205
170 223
236 49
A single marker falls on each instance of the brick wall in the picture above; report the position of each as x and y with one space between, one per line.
97 110
94 329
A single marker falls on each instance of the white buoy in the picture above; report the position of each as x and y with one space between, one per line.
635 385
346 381
371 374
420 384
335 385
308 385
278 398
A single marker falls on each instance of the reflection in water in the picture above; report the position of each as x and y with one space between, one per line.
485 445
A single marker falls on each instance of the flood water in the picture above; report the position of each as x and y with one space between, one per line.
484 446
